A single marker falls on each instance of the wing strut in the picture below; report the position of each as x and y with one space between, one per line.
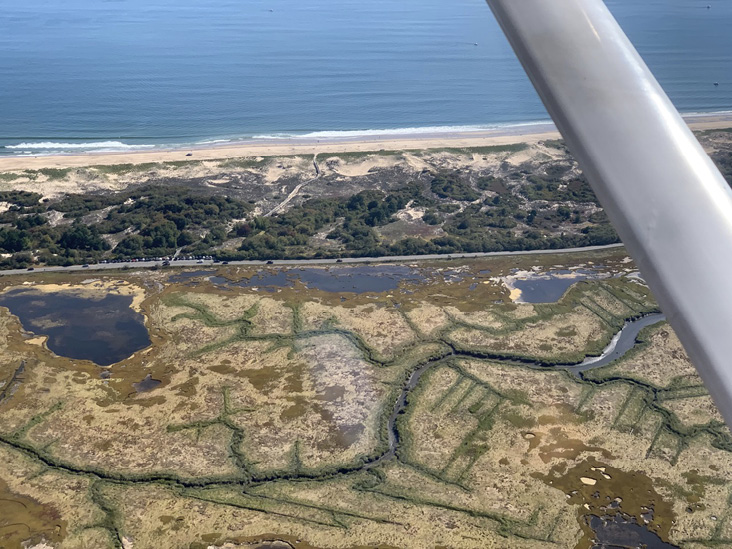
669 203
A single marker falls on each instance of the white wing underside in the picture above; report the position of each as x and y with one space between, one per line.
668 202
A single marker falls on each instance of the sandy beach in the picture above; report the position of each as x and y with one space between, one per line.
527 133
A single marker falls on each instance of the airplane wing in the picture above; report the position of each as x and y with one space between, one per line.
668 202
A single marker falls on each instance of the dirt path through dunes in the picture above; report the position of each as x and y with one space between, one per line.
296 190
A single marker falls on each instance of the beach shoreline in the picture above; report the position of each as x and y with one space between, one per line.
353 143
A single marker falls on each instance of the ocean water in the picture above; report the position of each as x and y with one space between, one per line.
113 74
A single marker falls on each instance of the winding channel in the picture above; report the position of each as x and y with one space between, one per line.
622 343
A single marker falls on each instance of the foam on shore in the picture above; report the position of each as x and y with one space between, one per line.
217 149
100 146
366 136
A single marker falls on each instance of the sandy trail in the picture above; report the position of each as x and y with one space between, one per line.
296 190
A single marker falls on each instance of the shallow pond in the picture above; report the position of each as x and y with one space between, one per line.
548 288
346 279
268 280
147 384
621 531
188 275
360 279
104 329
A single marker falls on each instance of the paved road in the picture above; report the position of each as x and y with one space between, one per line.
300 262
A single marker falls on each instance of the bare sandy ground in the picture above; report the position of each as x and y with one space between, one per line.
531 133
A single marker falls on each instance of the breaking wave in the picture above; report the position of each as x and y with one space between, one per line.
92 146
429 130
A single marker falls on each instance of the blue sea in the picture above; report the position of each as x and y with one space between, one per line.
80 75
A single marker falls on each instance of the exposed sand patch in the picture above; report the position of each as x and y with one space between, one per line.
416 162
410 214
38 341
362 168
521 157
287 167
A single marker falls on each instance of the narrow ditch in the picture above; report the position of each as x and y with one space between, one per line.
256 479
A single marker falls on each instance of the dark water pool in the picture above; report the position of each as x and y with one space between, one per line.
346 279
147 384
622 531
104 330
550 287
188 275
367 278
269 280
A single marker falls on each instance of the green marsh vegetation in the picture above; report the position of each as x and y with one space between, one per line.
484 442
